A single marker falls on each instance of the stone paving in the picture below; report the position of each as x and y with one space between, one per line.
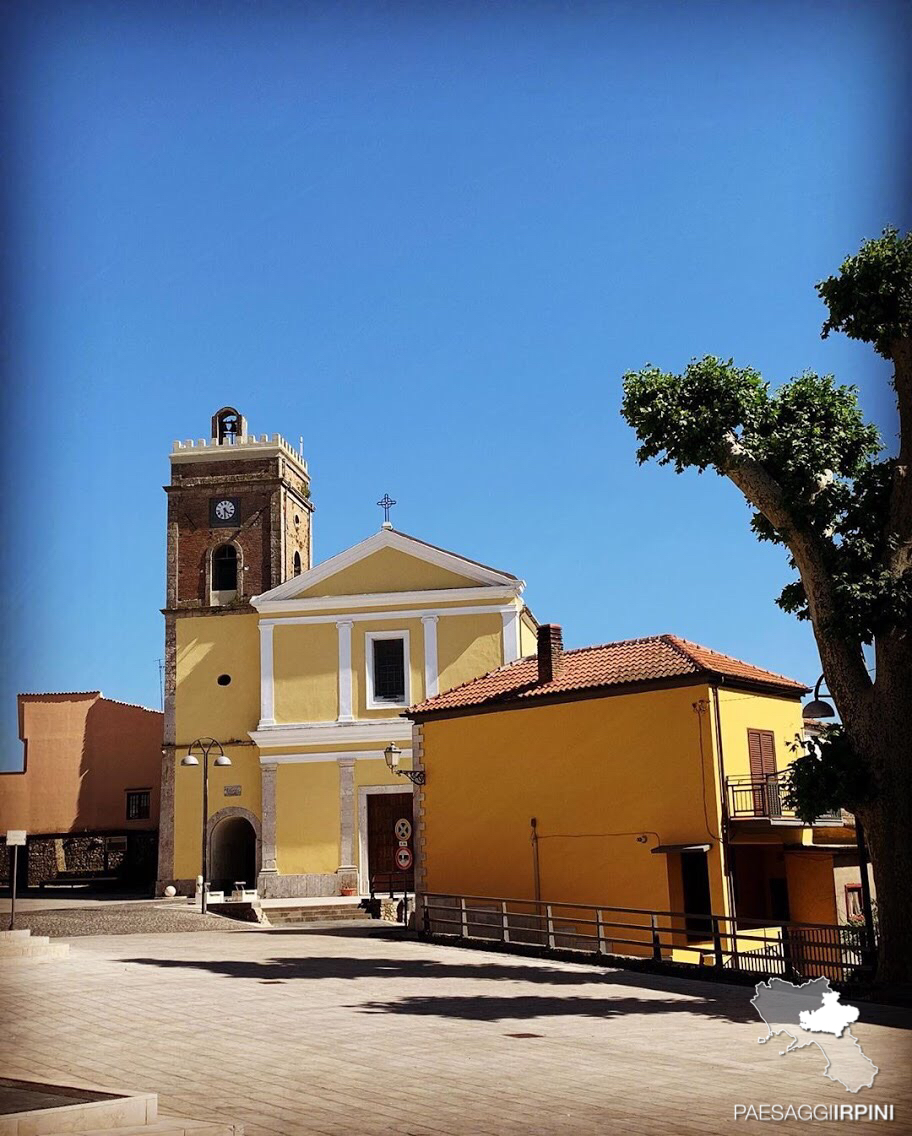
132 918
332 1033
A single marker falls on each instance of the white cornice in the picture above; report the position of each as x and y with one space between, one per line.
389 616
432 596
329 756
290 734
386 538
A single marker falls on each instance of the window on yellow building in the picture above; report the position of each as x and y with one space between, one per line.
387 669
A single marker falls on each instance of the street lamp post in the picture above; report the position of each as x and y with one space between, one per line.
203 747
817 708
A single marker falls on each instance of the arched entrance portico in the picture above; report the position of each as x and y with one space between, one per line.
234 849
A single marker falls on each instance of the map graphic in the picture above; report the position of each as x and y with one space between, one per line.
811 1014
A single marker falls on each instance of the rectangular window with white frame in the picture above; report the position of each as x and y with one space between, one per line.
387 656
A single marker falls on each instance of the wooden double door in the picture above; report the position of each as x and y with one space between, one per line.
384 810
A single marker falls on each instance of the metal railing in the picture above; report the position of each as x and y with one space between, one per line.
391 883
762 797
750 946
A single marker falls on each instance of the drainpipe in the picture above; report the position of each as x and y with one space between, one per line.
726 855
535 866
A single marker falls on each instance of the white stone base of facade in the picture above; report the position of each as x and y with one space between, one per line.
274 885
182 887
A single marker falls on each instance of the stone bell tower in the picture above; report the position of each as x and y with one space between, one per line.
238 517
239 523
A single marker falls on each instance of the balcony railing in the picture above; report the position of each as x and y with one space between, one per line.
759 798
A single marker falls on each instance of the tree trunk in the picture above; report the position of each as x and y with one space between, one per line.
887 821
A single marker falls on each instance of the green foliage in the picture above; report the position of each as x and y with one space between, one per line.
871 298
829 776
684 418
811 437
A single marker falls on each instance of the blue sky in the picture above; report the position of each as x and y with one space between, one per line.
430 238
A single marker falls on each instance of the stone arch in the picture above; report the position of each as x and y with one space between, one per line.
228 426
235 847
210 571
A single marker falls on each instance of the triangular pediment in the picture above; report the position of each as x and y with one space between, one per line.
389 562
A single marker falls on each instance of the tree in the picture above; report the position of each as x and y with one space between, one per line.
819 483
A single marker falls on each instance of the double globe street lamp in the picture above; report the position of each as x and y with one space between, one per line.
203 747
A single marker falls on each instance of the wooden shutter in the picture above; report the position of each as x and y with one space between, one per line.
761 746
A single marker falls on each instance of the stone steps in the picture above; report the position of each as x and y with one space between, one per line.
33 1108
166 1126
315 913
22 944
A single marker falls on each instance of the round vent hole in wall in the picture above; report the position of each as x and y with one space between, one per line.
224 680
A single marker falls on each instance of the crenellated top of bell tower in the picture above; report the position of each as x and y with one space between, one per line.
229 429
239 514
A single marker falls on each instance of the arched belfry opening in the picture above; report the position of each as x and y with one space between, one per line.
228 426
225 573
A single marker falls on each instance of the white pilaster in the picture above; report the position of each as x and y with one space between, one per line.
267 676
344 628
431 676
510 634
346 814
268 837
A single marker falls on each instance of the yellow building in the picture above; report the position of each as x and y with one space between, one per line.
643 774
302 673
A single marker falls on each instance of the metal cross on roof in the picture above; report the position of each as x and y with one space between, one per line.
386 503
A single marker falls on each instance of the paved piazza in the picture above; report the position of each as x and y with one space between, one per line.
317 1032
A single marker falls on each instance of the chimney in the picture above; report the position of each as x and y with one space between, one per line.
550 651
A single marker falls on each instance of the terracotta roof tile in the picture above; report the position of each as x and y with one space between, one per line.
86 694
651 659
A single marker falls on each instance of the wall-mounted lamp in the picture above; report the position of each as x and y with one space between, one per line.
393 754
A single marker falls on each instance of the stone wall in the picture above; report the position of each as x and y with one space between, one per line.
131 858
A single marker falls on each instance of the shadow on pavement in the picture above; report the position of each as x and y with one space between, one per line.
527 1007
686 996
723 1003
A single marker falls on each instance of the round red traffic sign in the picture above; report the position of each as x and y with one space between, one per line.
403 859
403 828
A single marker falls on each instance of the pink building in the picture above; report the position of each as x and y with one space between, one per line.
88 791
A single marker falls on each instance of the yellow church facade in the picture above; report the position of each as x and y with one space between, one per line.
304 684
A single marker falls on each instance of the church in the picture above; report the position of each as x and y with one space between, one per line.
286 682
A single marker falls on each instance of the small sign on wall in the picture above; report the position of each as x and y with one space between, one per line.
232 790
